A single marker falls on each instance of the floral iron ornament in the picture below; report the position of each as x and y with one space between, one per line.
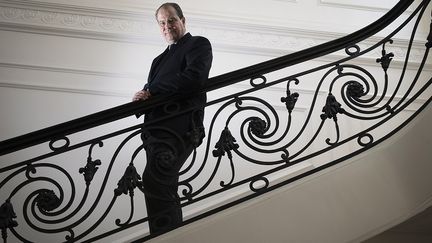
386 58
7 215
332 108
291 98
226 143
129 181
91 167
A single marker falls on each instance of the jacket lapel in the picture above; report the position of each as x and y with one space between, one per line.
157 64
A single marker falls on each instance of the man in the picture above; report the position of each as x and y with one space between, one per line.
181 69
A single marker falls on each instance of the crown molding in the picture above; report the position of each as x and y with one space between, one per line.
107 10
124 26
81 19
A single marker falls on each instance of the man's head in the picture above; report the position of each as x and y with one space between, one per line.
171 22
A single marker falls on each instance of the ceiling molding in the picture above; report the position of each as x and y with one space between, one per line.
133 27
84 21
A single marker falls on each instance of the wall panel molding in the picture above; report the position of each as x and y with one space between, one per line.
41 87
115 93
71 71
138 27
288 1
370 5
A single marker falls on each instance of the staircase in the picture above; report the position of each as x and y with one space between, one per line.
340 162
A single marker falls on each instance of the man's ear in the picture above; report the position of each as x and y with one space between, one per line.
183 20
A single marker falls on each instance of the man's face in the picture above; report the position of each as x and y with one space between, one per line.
171 26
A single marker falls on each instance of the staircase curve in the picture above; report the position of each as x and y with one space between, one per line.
338 164
350 202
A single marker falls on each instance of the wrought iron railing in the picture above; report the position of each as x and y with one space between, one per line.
58 184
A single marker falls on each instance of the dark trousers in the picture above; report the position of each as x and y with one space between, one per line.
165 157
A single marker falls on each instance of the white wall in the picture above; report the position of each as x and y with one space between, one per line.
60 60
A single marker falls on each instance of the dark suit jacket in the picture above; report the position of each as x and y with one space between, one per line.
181 70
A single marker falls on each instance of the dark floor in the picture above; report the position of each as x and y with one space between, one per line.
417 229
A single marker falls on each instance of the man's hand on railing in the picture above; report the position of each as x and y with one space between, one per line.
141 95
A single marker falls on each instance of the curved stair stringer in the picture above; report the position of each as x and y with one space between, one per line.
349 202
